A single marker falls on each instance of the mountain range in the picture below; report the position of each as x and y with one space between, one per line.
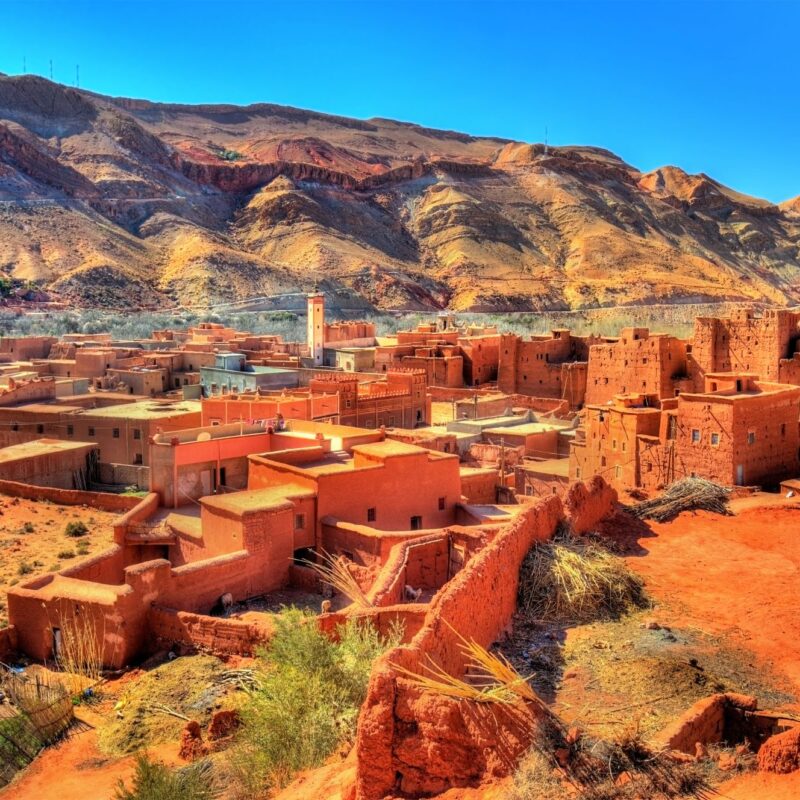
116 202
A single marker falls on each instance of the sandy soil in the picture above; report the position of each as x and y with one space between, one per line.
735 577
76 769
39 549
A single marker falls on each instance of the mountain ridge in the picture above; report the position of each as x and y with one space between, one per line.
124 202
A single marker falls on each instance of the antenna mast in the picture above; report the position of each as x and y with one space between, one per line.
78 76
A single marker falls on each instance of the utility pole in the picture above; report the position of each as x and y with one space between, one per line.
51 69
77 76
545 139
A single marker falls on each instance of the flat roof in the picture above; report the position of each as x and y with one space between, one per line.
44 408
389 447
549 466
146 409
40 447
523 430
250 500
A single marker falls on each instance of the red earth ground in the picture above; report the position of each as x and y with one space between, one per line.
734 577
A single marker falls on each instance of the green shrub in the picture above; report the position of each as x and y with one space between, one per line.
28 527
155 781
76 529
24 568
308 702
66 554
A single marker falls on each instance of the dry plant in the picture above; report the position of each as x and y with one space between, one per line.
689 494
576 579
334 572
80 653
497 682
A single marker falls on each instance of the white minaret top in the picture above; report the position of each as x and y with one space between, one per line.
316 326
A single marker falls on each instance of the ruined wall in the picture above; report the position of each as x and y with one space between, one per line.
478 485
586 503
69 497
418 743
208 634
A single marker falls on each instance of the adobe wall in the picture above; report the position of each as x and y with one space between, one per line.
8 642
209 634
586 503
637 362
69 497
708 721
478 485
417 743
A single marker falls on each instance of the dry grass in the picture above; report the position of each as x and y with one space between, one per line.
334 572
80 654
492 678
576 580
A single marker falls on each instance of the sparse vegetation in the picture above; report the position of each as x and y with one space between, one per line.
153 780
76 529
81 650
66 554
24 568
308 700
28 527
577 580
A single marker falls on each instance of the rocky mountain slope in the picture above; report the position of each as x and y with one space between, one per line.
118 202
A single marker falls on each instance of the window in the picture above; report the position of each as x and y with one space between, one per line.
617 471
613 444
416 523
714 439
783 429
15 426
441 504
70 430
137 458
40 429
137 434
299 522
90 431
695 435
371 514
577 472
751 437
222 476
624 446
602 461
115 433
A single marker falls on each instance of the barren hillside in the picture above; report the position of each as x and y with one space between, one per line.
112 202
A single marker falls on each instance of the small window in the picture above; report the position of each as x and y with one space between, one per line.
15 426
441 503
115 433
137 434
751 437
783 429
624 446
40 429
137 458
416 523
371 514
299 522
617 471
577 472
90 431
695 435
613 444
70 430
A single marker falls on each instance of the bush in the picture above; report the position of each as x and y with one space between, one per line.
24 568
76 529
28 527
308 702
82 548
66 554
155 781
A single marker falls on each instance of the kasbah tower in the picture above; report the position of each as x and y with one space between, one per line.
316 326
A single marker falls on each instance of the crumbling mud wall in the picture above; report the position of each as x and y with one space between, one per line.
418 743
587 503
202 632
69 497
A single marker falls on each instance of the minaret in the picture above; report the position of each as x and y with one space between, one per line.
316 326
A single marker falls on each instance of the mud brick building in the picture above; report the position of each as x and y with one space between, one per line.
399 399
49 462
552 366
738 432
765 345
639 362
252 406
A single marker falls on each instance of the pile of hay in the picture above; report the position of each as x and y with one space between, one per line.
689 494
576 580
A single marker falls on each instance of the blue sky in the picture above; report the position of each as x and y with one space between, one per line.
709 86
